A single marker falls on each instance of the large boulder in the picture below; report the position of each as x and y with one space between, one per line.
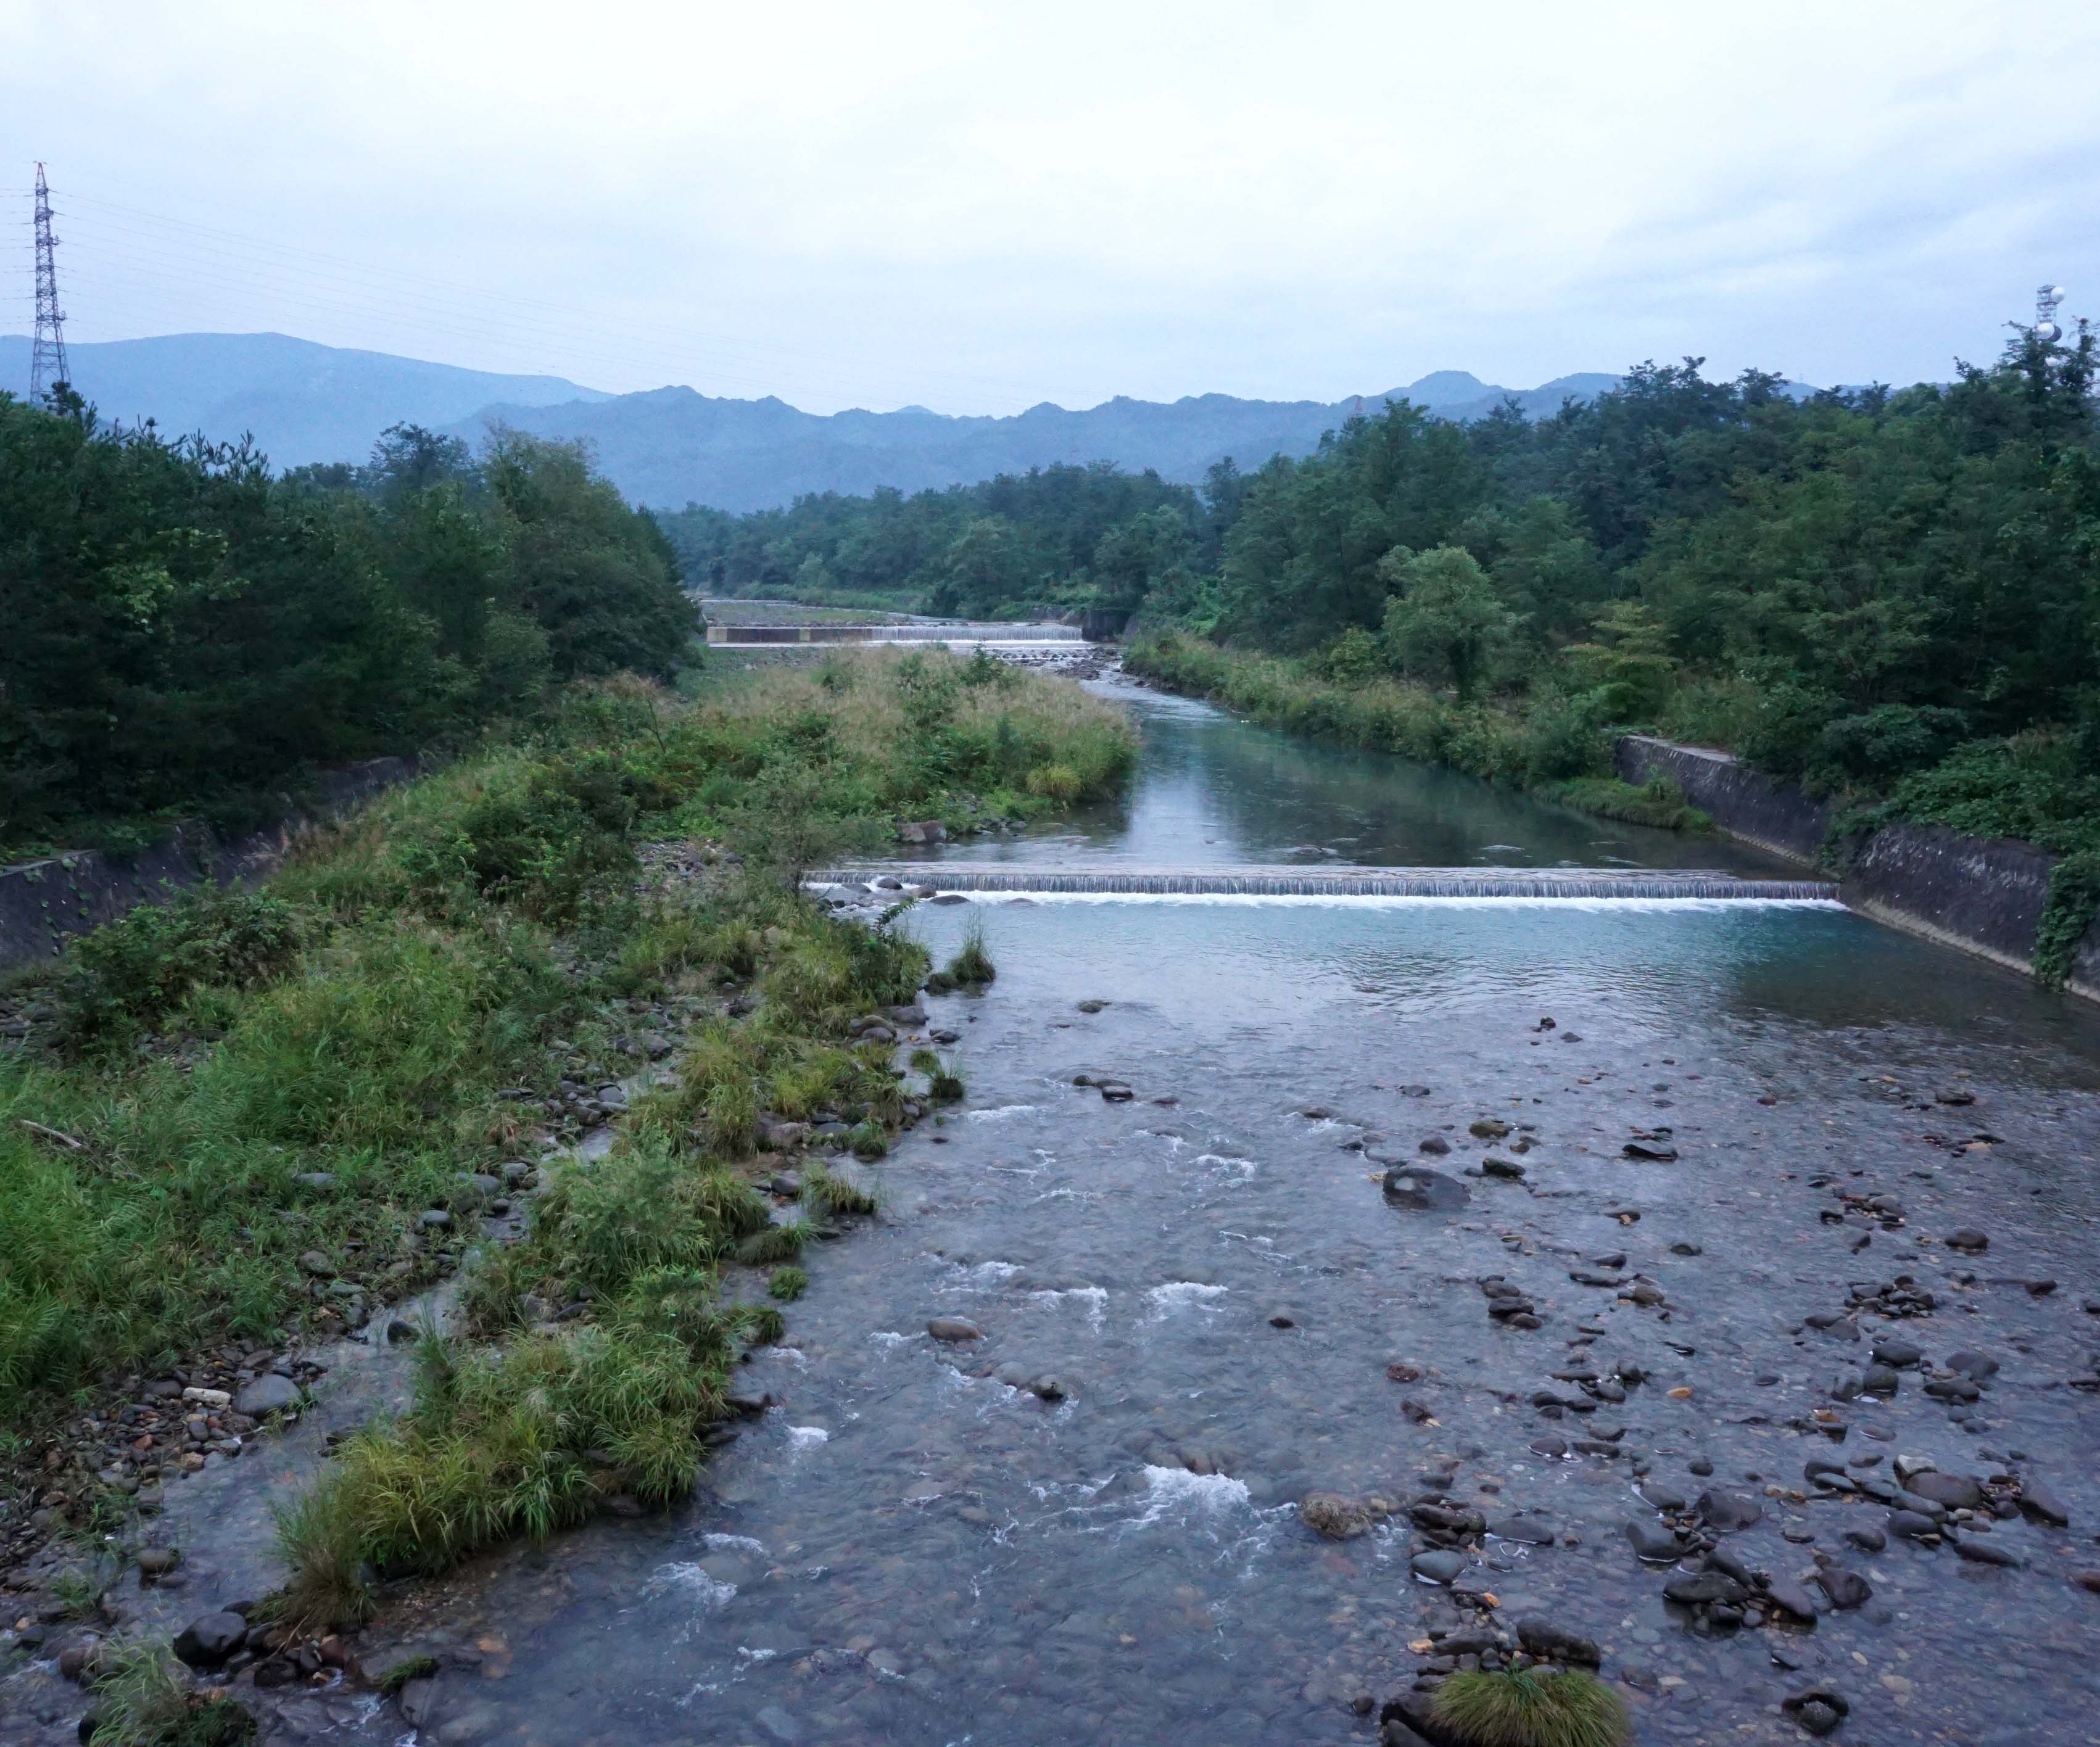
1421 1190
210 1639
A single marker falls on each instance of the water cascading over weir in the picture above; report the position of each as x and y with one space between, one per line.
1592 884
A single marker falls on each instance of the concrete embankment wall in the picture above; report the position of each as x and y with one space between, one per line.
45 903
1984 895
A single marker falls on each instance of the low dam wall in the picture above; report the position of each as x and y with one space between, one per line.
1593 883
45 903
1984 895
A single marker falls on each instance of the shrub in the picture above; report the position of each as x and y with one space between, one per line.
787 1284
127 975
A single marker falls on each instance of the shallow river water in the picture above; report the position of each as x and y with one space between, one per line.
905 1549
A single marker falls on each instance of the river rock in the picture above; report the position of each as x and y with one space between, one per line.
1337 1518
1899 1353
1695 1589
270 1393
1957 1492
1911 1525
1984 1550
1978 1367
954 1329
1818 1709
2040 1503
1502 1168
158 1561
1845 1588
1439 1565
1551 1642
1421 1190
210 1639
1436 1145
1968 1240
1728 1512
1790 1599
1655 1151
1653 1542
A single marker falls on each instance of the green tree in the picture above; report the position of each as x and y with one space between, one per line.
1445 622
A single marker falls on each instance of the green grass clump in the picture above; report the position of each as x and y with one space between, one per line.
779 1242
787 1284
1525 1708
524 1439
143 1699
972 966
1658 802
414 1668
825 1192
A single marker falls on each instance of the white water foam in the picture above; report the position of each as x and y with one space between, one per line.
733 1543
1406 901
1219 1164
801 1439
1095 1298
1178 1294
1178 1491
999 1112
707 1594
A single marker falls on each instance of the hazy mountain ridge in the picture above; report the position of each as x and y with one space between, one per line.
301 401
673 446
667 446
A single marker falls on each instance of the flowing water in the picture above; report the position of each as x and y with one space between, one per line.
907 1548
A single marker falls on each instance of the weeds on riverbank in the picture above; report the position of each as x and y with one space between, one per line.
142 1699
231 1118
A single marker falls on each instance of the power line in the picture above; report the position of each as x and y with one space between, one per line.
48 373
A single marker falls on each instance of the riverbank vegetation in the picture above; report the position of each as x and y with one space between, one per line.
250 1120
189 636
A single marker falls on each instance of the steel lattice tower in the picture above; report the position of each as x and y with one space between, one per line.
49 373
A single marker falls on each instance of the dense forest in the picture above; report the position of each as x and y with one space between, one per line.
1048 541
1882 593
186 632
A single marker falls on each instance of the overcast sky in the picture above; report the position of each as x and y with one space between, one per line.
977 208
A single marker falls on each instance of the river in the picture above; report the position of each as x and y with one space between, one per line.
907 1549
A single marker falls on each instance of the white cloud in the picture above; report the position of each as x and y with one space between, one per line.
979 207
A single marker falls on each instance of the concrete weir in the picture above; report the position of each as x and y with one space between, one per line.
1591 883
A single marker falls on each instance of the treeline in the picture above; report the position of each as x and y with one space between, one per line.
185 633
1050 540
1845 588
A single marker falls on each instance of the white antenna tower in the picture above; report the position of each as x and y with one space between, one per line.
2046 327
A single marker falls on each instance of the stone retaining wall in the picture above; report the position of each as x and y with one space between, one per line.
1984 895
45 903
1774 816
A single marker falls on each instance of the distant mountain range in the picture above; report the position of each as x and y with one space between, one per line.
668 447
301 401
